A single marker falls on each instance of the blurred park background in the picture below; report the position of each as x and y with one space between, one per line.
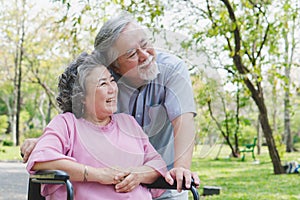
244 62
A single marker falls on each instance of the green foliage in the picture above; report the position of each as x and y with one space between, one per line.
10 153
33 133
247 133
279 145
7 143
3 124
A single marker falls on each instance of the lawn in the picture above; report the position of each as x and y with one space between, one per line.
10 153
237 179
245 180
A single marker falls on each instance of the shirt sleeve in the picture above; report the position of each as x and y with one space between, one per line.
151 157
54 144
179 91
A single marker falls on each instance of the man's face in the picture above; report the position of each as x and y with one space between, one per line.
136 55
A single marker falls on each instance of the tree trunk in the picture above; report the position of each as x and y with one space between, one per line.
18 63
287 130
256 92
277 167
259 136
287 71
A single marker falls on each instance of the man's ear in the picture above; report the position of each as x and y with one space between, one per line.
114 67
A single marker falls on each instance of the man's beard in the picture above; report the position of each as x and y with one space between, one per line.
146 72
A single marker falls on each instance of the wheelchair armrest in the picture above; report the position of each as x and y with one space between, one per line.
161 183
53 177
49 175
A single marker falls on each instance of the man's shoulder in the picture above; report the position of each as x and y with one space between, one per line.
169 64
167 58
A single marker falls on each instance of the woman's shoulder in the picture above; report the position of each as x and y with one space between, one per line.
66 116
63 118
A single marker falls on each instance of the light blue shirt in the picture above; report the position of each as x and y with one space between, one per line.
160 101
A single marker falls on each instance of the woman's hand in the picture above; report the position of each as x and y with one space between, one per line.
137 175
129 182
108 176
27 147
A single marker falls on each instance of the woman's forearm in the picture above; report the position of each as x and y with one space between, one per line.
81 172
146 174
74 169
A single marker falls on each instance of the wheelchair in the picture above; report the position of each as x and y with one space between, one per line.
61 177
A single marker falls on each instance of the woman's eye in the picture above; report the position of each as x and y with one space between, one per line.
101 84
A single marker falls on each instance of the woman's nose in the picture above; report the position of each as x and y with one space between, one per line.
111 87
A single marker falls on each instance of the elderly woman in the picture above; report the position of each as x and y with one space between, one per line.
107 155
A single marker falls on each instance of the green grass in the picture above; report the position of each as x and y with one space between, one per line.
10 153
237 179
248 179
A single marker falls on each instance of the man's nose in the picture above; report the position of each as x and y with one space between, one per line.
143 54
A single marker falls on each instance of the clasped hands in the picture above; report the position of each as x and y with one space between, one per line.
126 181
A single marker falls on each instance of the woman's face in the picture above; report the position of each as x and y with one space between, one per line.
101 94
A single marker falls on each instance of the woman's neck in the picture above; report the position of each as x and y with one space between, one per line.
97 121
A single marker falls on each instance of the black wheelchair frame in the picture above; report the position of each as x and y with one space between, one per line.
61 177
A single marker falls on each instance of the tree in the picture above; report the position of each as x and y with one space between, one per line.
289 20
247 32
18 59
252 78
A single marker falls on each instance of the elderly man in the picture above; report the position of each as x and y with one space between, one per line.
155 88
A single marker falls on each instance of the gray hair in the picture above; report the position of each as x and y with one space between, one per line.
108 35
71 84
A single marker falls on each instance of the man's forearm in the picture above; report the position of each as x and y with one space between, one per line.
184 139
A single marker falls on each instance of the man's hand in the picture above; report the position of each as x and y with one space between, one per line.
27 148
179 174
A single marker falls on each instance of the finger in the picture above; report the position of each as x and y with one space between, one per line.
179 179
121 176
188 178
127 188
25 159
22 149
196 179
123 183
26 153
169 178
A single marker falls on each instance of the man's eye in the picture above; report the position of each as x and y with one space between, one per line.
145 44
132 54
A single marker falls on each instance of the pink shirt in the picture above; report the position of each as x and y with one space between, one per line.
122 143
